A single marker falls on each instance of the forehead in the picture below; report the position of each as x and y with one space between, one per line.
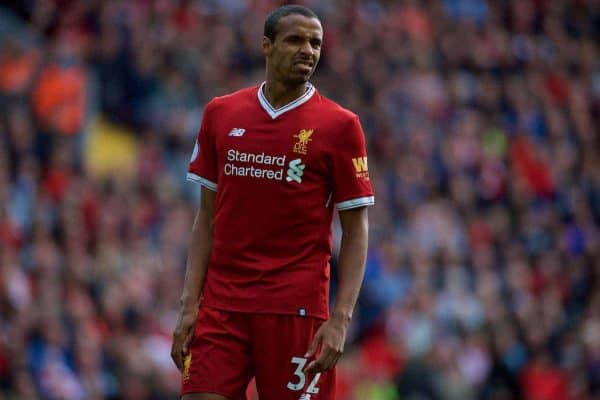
297 24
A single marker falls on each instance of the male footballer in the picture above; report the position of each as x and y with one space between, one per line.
274 162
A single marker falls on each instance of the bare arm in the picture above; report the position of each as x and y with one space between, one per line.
351 264
351 269
197 264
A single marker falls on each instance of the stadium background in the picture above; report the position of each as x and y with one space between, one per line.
482 121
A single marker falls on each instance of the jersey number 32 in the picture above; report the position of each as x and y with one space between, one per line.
301 377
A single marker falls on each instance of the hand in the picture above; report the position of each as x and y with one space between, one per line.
182 336
331 336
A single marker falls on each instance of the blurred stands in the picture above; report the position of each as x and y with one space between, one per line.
482 120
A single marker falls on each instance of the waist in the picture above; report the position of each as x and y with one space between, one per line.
291 289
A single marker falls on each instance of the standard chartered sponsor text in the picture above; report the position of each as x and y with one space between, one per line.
258 158
236 158
231 169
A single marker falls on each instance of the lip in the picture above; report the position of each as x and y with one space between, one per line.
304 65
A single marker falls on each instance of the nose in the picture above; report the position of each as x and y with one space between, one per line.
306 48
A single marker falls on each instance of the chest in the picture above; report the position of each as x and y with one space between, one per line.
258 140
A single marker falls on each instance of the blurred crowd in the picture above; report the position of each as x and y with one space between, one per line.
483 125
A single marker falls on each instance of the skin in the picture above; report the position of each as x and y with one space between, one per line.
291 60
197 265
331 336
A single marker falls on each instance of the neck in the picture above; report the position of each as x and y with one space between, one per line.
279 94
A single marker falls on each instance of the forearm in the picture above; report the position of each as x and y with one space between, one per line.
197 265
351 263
198 257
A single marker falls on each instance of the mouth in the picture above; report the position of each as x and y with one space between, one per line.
304 65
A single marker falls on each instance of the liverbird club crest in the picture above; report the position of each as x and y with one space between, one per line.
303 137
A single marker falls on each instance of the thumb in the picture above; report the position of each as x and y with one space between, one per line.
313 345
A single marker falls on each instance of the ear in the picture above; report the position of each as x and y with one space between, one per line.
267 46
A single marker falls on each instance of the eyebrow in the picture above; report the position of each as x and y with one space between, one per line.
300 36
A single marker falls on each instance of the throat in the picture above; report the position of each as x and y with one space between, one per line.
279 95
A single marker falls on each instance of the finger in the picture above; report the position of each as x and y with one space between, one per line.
176 353
335 361
318 364
313 345
327 360
176 356
313 367
186 344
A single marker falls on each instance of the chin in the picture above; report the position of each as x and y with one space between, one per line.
299 79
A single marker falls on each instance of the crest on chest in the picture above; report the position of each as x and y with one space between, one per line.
302 139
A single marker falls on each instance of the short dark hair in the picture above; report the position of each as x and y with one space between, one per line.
283 11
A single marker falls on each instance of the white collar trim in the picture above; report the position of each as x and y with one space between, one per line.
274 113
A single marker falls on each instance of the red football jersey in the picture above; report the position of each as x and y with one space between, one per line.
279 174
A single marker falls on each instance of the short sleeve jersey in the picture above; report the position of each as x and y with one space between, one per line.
279 174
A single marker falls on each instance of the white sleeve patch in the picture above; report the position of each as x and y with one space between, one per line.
202 181
354 203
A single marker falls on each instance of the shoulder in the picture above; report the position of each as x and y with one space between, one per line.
235 99
335 111
242 94
341 124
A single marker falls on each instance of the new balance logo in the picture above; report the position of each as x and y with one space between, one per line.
237 132
295 171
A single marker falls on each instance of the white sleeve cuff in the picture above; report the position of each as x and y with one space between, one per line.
202 181
354 203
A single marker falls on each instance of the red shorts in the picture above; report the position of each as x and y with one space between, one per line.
229 348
